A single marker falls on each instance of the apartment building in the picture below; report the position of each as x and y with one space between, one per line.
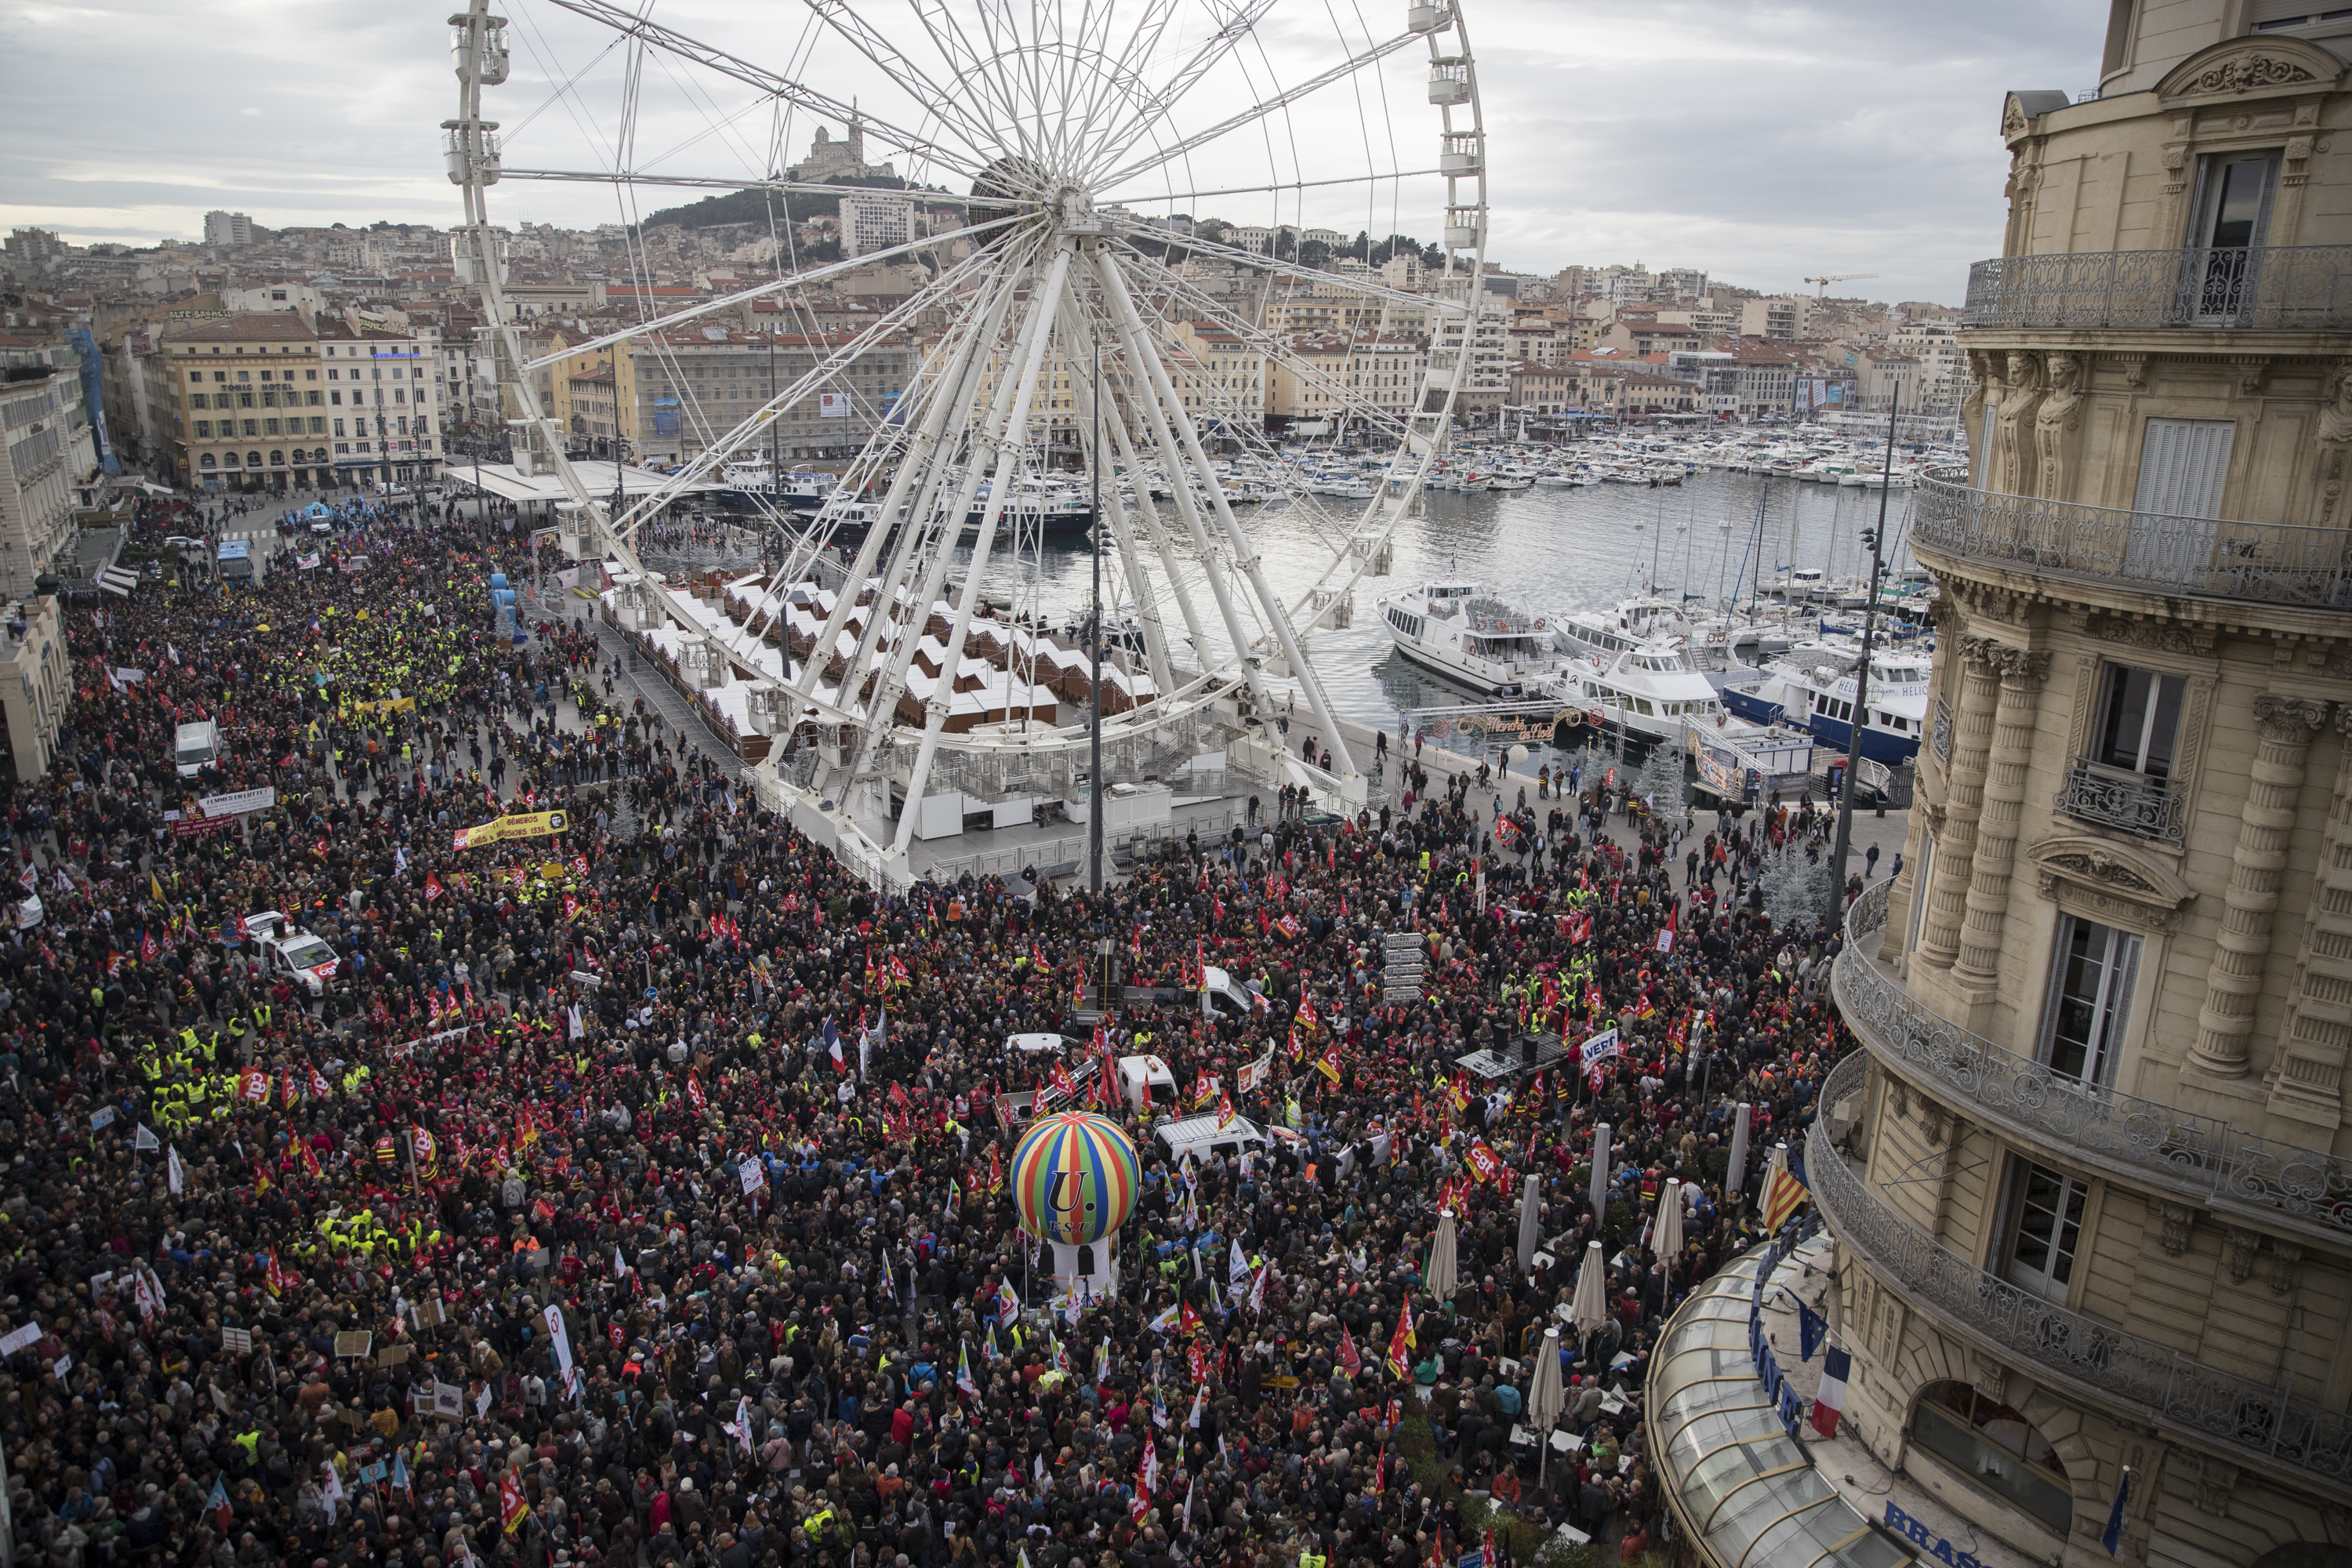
36 683
1385 373
227 229
1883 379
2087 1173
46 449
1943 363
1542 388
386 398
241 406
683 391
872 223
1767 385
594 418
1307 383
1222 377
1783 319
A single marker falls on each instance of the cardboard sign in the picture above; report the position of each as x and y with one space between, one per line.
427 1313
237 1342
353 1341
393 1355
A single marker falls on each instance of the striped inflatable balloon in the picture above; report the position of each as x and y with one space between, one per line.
1074 1177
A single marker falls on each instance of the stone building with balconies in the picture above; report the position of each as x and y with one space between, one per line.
2090 1176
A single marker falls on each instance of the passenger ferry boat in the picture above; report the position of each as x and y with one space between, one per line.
1640 683
1813 687
749 484
1456 630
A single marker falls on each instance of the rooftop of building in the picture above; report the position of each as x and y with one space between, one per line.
260 327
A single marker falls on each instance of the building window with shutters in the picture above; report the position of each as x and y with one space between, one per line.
2183 465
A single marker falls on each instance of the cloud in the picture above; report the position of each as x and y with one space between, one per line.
1763 142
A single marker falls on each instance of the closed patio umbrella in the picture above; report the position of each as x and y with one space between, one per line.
1589 1308
1438 1281
1546 1397
1666 1236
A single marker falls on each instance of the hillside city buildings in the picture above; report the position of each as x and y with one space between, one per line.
351 356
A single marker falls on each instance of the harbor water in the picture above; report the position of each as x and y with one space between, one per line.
1550 551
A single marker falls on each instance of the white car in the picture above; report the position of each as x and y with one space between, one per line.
290 952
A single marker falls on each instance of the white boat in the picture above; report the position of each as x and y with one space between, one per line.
1643 686
1813 688
1456 630
1511 477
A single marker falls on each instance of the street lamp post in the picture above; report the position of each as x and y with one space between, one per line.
1877 541
1094 738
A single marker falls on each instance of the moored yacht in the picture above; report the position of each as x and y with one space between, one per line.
1640 684
1813 687
1456 630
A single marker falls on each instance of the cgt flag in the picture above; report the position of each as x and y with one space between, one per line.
1401 1345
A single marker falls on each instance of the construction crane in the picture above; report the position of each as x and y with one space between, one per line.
1841 277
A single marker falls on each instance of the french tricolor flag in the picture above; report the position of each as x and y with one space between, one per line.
1835 1364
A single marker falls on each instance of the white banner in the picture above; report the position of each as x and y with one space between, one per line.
238 802
753 1177
563 1338
1599 1048
833 405
22 1337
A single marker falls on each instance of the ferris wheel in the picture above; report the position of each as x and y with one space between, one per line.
1072 349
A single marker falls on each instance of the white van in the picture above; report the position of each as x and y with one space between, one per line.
1145 1081
196 746
1222 997
1200 1136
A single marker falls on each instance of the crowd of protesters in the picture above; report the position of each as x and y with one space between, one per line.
632 1190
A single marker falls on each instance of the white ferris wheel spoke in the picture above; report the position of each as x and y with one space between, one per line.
1245 118
837 360
789 284
1004 441
902 72
1246 559
954 383
799 95
1276 188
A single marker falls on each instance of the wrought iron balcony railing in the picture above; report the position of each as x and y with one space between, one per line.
2299 287
2282 1186
2265 1424
2154 553
2129 803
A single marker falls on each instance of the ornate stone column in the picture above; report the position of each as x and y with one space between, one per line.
1963 779
2306 1076
2234 984
2022 673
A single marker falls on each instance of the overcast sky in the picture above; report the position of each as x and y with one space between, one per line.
1762 143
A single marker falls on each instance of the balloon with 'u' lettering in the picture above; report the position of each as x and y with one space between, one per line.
1074 1177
